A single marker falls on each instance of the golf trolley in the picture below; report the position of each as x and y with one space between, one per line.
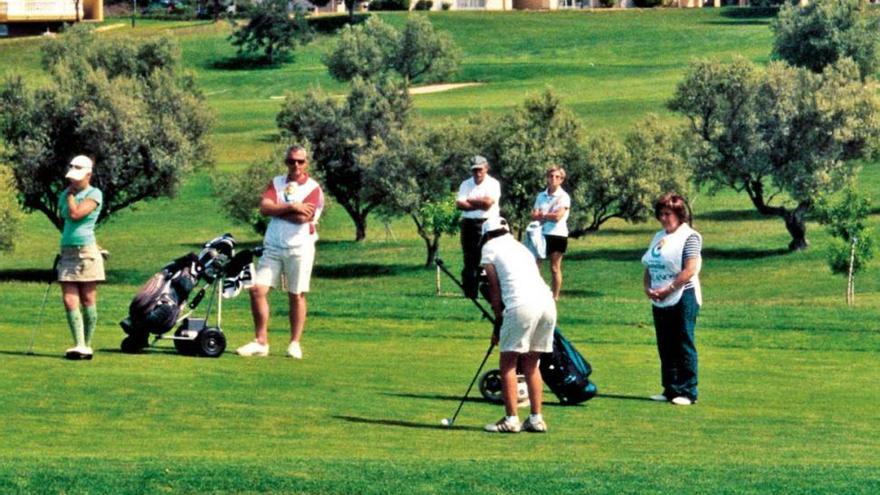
161 304
564 370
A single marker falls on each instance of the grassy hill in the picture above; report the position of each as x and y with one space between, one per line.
788 373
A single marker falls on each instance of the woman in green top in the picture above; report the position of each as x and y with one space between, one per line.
82 266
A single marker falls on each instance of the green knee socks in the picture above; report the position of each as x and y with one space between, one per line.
75 322
90 320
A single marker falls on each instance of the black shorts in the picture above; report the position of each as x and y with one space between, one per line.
556 243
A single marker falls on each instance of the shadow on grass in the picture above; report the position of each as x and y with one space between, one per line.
732 215
240 62
27 275
742 253
582 294
740 22
358 270
749 12
624 397
607 255
453 398
58 355
405 424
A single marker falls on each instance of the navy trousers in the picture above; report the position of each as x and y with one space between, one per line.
675 343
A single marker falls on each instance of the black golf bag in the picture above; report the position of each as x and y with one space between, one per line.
163 302
566 372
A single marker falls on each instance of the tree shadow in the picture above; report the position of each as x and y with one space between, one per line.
732 215
607 255
404 424
245 62
624 397
581 294
749 12
742 253
358 270
739 22
58 355
27 275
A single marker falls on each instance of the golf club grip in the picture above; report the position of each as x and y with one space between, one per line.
442 267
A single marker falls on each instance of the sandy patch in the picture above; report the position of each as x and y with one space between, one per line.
109 27
437 88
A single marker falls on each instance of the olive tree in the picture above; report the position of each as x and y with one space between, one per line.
853 245
272 31
822 32
127 104
340 133
375 49
416 169
784 136
621 178
10 214
521 144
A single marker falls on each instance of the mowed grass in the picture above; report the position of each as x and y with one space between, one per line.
788 373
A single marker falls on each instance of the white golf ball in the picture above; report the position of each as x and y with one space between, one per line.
444 422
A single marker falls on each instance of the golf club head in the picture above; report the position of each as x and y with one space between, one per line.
446 422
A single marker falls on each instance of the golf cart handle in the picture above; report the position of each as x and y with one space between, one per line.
442 266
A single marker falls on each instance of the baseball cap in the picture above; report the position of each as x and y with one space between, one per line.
79 167
494 223
478 161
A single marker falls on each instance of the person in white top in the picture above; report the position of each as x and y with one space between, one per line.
552 207
526 311
672 283
294 202
478 198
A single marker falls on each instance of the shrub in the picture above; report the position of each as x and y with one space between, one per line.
329 24
424 5
445 5
377 5
647 4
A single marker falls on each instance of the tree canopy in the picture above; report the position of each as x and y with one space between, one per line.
272 31
375 49
128 105
785 136
823 32
10 214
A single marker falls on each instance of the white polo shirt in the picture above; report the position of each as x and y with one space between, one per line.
518 274
489 187
549 203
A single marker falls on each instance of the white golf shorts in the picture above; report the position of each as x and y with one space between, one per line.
528 328
293 265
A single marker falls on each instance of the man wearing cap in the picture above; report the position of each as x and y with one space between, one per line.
81 266
478 198
294 203
524 306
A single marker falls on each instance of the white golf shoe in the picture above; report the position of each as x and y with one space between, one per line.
253 349
79 352
504 426
294 350
682 401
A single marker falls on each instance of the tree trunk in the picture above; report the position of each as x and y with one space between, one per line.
797 227
360 226
432 246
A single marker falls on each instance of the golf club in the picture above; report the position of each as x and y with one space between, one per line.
448 422
52 276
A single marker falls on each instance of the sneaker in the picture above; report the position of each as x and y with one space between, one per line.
253 349
660 398
534 426
682 401
294 350
79 352
502 426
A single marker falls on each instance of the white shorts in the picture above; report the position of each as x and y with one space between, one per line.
528 328
294 265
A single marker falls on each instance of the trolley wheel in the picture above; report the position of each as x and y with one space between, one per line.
134 344
211 342
185 347
490 386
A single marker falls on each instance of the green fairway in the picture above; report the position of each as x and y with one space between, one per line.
788 374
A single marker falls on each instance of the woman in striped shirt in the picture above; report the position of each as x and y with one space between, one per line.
671 281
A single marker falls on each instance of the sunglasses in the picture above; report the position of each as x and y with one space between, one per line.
294 161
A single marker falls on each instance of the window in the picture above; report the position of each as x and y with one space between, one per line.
470 4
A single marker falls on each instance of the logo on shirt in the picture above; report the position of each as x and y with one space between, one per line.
289 191
655 251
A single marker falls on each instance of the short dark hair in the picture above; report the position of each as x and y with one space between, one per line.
676 204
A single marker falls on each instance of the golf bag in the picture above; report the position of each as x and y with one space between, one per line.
566 372
163 302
